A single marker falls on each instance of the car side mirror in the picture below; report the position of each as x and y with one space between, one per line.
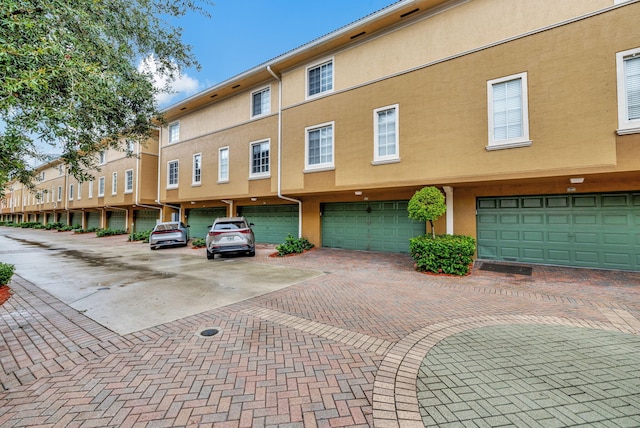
251 224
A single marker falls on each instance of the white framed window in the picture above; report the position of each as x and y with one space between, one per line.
174 132
131 146
385 134
128 181
60 170
261 102
90 184
114 183
102 158
196 176
48 195
223 164
320 78
59 193
319 147
79 191
71 192
628 71
100 187
172 174
508 107
259 159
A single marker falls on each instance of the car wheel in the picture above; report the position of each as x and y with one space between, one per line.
210 256
252 253
154 248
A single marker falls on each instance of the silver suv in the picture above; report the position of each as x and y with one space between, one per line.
231 235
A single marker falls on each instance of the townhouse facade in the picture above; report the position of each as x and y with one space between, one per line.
122 194
525 114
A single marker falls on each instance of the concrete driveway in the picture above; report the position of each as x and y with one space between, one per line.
126 287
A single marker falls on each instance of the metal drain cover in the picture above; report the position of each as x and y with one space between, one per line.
209 332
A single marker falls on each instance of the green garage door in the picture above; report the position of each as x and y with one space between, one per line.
373 226
116 220
145 219
93 220
591 230
201 219
75 219
272 223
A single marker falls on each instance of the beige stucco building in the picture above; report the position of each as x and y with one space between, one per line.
526 114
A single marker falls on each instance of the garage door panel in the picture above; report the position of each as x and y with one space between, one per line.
592 230
273 223
375 226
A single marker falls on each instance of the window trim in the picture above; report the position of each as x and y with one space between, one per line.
172 124
625 126
377 159
259 175
102 157
101 186
71 190
268 109
79 190
195 182
128 172
326 166
315 65
509 143
220 178
90 190
177 183
59 193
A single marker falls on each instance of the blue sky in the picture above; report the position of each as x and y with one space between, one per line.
242 34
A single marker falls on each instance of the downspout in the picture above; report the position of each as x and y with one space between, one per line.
157 201
230 203
280 195
448 191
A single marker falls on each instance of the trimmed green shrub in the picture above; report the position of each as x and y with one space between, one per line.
427 204
100 233
198 242
6 273
140 236
450 254
293 245
57 225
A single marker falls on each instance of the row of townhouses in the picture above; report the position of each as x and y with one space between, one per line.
526 114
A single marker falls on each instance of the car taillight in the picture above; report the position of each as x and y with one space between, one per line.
212 233
245 231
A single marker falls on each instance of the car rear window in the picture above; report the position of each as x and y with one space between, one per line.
167 226
230 226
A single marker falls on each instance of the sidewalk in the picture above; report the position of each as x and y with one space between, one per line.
370 343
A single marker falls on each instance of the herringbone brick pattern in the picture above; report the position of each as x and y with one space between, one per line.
343 349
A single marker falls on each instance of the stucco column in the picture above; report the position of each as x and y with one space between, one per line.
448 191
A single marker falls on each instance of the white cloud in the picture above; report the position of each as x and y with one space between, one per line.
183 86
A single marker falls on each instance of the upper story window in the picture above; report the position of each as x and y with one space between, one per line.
102 158
100 187
131 146
174 132
128 181
90 189
223 165
114 183
508 112
319 147
79 191
261 102
197 169
385 134
60 170
320 78
628 69
71 192
59 193
260 159
172 174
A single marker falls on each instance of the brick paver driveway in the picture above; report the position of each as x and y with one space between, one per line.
369 343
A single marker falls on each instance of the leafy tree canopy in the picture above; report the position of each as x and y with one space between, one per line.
427 204
69 76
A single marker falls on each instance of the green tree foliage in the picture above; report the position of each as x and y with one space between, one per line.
69 76
427 204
